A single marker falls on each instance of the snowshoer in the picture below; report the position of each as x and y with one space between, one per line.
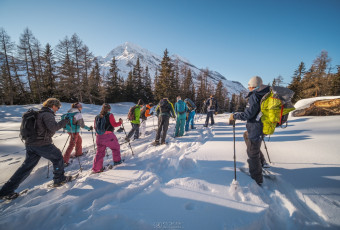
41 146
254 134
180 110
136 122
211 104
73 128
191 114
145 113
106 138
164 111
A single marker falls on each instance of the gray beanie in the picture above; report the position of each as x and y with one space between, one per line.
255 82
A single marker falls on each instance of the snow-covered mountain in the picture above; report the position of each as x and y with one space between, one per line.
127 54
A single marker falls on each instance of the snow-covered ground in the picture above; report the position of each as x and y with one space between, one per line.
183 185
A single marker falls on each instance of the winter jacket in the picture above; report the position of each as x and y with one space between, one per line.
46 127
145 112
253 108
77 121
211 104
137 115
179 106
109 127
169 113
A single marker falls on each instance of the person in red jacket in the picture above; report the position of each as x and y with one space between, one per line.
106 139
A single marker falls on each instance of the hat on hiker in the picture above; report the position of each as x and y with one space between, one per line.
255 82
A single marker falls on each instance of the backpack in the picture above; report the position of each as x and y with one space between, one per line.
191 105
131 114
101 123
142 112
70 126
28 130
164 106
212 104
181 107
275 107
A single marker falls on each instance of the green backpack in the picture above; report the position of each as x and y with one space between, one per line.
275 107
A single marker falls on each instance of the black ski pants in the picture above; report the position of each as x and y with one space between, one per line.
33 155
134 130
163 125
210 114
255 158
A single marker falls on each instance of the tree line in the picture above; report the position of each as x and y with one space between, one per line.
30 73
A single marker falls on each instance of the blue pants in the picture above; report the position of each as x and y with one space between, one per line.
191 119
33 155
180 122
210 114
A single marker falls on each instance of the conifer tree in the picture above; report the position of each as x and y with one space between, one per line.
87 65
130 91
147 84
97 91
6 47
113 83
164 80
76 49
295 85
68 89
49 75
188 89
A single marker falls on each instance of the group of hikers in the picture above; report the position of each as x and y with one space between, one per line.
105 122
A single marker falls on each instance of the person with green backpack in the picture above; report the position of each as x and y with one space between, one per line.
254 134
180 109
135 120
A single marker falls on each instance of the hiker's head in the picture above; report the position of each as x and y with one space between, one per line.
105 109
140 102
52 103
151 104
254 83
77 105
179 98
211 96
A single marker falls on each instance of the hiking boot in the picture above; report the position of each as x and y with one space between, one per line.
265 165
9 196
66 179
192 127
117 162
163 143
155 143
127 139
66 164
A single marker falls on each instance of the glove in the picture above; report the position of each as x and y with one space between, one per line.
121 120
231 119
91 128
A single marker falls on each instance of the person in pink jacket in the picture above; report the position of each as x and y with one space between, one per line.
106 138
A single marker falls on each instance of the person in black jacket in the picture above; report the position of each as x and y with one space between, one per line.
211 104
254 134
41 146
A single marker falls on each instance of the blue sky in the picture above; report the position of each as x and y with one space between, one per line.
238 39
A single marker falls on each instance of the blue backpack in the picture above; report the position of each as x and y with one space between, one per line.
70 127
181 107
100 124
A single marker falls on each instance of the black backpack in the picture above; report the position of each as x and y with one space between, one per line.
164 106
28 131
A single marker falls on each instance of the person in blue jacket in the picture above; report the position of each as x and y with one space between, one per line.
181 111
254 134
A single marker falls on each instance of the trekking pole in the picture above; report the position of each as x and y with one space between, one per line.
234 151
48 169
65 144
94 146
234 184
265 146
128 141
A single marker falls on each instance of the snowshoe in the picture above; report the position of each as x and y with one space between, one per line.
66 180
